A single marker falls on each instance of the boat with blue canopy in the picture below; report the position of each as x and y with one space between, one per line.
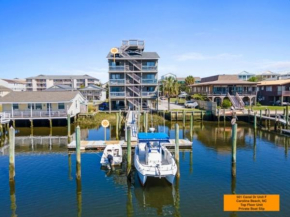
152 158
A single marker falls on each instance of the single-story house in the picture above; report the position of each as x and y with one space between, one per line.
43 104
93 92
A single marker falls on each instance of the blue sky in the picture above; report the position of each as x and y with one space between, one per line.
195 37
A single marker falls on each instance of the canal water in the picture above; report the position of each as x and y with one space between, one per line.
45 183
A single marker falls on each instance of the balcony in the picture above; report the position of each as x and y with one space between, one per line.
149 81
284 93
224 93
117 94
149 68
149 94
117 81
117 68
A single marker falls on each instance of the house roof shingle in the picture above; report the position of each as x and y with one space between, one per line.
38 97
274 82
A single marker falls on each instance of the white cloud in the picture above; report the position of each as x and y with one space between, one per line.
276 65
199 56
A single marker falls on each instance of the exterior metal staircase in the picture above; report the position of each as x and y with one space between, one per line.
135 77
123 53
135 90
134 102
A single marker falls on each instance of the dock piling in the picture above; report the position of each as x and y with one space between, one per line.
224 116
146 122
255 121
11 153
191 125
234 142
287 116
117 125
184 118
177 148
78 151
260 118
68 125
129 159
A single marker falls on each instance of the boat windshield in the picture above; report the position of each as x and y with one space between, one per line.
153 145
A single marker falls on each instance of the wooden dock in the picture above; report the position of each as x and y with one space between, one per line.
101 144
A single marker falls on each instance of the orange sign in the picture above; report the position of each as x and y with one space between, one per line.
105 123
251 202
114 50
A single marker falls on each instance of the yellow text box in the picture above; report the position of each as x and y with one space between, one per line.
251 202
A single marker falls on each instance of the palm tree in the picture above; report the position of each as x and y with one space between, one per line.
171 88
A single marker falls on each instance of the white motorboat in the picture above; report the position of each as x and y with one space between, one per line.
112 155
152 159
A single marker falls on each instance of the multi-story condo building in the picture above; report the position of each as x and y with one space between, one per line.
15 84
217 88
42 82
244 75
133 77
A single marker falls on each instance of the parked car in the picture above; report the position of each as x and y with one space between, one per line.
103 106
162 98
190 104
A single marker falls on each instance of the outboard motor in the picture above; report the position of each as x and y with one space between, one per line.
110 159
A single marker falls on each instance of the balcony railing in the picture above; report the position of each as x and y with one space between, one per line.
149 81
284 93
224 93
117 81
117 68
149 68
117 94
36 114
149 94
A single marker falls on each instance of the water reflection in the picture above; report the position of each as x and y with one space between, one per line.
157 194
79 196
12 198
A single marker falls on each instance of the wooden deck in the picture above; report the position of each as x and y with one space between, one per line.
100 144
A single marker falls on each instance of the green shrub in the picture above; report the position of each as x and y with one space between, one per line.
226 103
258 104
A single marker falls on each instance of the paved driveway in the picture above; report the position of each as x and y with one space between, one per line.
163 105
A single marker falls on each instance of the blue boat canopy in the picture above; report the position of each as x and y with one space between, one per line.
144 137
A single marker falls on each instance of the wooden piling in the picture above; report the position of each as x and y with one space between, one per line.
218 116
184 118
68 125
234 142
191 125
177 147
260 118
224 116
31 123
146 122
11 153
287 116
120 119
128 150
255 120
78 151
117 126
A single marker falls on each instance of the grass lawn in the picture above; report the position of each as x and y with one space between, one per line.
263 107
181 100
186 109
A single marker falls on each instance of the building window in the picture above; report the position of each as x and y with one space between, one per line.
76 104
269 88
29 106
15 106
60 105
262 88
38 106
